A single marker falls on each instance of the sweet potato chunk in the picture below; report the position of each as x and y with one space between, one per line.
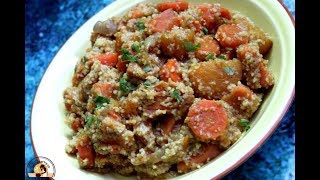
256 33
172 42
244 100
210 79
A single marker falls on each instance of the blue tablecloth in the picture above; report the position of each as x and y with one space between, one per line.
50 23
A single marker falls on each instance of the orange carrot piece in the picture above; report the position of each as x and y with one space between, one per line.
207 120
208 152
167 125
230 35
266 78
76 125
137 13
109 59
169 70
178 6
240 94
249 50
103 89
225 13
207 45
122 65
209 19
164 21
86 151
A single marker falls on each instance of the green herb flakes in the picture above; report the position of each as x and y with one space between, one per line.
210 56
140 25
147 84
222 57
89 120
205 30
244 123
135 48
176 94
190 47
100 101
125 86
84 59
229 70
127 56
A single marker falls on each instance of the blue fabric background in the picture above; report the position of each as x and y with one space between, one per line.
50 23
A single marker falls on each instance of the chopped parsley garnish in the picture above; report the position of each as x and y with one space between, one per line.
154 80
244 123
147 84
127 56
84 59
89 120
210 56
176 94
135 48
229 70
147 68
125 86
100 101
140 25
205 30
190 47
222 57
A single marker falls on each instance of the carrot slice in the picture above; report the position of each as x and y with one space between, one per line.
178 6
238 96
207 120
208 152
86 152
207 15
248 50
76 125
225 13
103 89
230 35
207 46
167 125
164 21
266 78
109 59
169 70
122 65
137 13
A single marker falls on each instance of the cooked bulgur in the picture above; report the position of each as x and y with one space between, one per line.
165 88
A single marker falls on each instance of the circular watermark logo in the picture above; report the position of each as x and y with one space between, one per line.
40 167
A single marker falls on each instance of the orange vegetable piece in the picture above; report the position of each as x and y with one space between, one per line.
122 65
76 125
225 13
207 45
208 152
249 50
103 89
207 119
210 79
164 21
86 151
230 35
137 13
167 125
238 95
169 70
178 6
109 59
266 78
